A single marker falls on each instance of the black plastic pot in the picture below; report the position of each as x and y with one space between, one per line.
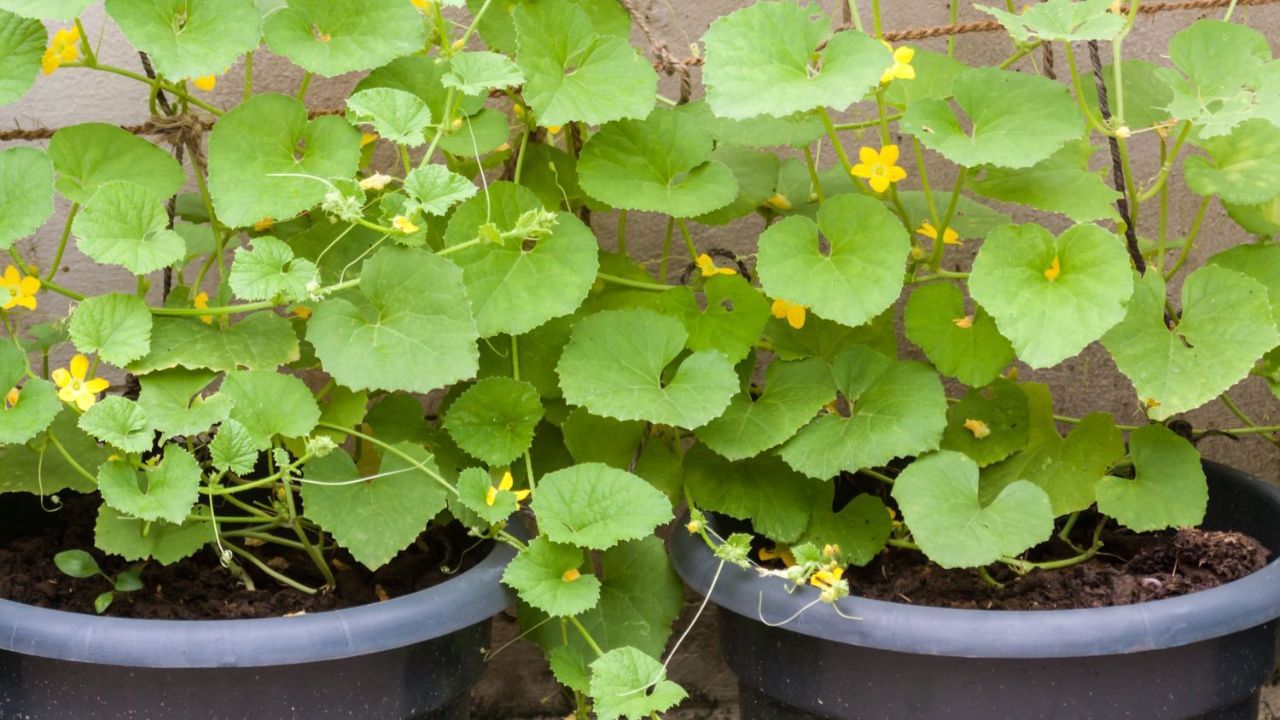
1203 656
411 658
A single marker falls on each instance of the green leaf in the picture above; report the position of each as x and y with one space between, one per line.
593 439
26 189
37 406
860 528
397 115
332 37
573 74
422 76
1221 67
45 9
896 409
268 403
125 224
659 164
1146 94
498 29
935 78
1063 183
729 318
776 499
972 218
1017 120
474 485
1261 219
765 60
433 189
938 496
473 73
614 366
135 539
267 137
411 305
77 564
626 683
596 506
1050 316
1061 21
493 420
541 574
171 487
757 173
269 271
1168 488
22 44
1242 168
520 283
120 423
380 516
963 345
232 449
793 394
1260 262
88 156
261 341
189 38
989 423
856 279
477 135
1225 327
117 327
39 468
764 131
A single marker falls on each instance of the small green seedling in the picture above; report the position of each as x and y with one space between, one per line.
80 564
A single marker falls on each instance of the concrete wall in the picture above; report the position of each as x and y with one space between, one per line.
517 685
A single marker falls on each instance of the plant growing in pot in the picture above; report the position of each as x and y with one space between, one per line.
326 385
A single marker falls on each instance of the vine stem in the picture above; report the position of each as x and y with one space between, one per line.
591 642
62 243
285 579
167 87
1023 567
688 240
939 247
835 140
637 284
1190 239
393 450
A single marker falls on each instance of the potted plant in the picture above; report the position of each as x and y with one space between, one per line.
287 453
922 534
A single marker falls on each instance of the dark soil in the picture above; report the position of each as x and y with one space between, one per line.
1130 569
199 588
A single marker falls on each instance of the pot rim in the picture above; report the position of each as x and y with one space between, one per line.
1012 634
471 597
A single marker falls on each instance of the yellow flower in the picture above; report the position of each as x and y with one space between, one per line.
779 552
503 147
964 323
553 129
11 398
264 224
64 48
977 427
709 269
206 83
1054 270
458 45
74 385
778 202
504 485
425 6
571 575
950 237
791 312
22 289
376 181
201 302
694 527
830 551
404 225
366 138
826 579
302 311
901 68
518 109
879 169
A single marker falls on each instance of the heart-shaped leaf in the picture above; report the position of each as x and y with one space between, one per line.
332 37
776 499
498 29
547 576
38 467
45 9
396 115
938 496
270 271
626 683
935 78
660 164
91 155
860 529
174 405
1260 262
1225 327
596 506
493 420
779 58
412 303
793 394
989 423
731 322
473 73
856 278
964 345
574 74
1168 488
896 409
1052 296
270 404
257 150
126 225
37 404
134 539
615 363
26 193
189 38
1061 21
261 341
120 423
171 487
117 327
1242 168
1063 183
22 43
1219 84
1016 120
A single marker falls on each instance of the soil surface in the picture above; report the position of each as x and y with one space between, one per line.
1130 569
199 588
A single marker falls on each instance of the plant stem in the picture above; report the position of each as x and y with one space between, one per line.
62 450
167 87
864 124
1079 94
248 76
855 15
475 22
688 240
586 635
815 184
1022 567
1190 240
935 260
637 284
393 450
270 571
62 243
304 85
835 140
1159 183
875 18
666 249
924 184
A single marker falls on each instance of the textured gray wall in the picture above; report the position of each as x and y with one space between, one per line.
517 685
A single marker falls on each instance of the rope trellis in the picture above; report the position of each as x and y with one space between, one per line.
664 61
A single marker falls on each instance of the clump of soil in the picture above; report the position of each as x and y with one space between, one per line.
199 588
1130 569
